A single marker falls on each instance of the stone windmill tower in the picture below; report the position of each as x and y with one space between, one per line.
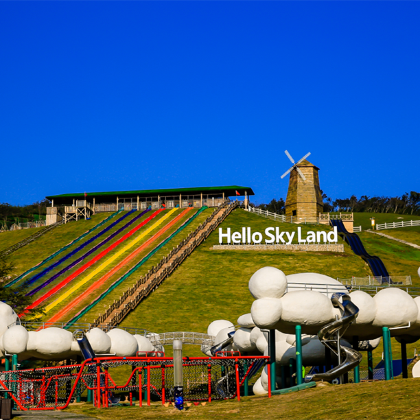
304 198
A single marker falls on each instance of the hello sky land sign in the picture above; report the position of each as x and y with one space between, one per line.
275 236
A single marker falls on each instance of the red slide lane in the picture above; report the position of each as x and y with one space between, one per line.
87 265
124 262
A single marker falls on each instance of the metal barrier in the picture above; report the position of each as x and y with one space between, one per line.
205 379
377 280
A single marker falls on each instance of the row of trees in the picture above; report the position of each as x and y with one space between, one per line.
29 212
408 203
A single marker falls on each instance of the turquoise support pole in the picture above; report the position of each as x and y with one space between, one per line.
356 369
299 378
385 334
246 380
272 354
292 366
283 376
404 359
370 365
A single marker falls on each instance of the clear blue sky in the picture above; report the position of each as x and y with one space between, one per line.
100 96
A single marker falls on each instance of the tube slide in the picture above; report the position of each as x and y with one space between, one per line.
97 284
351 358
131 271
84 345
107 262
76 250
88 264
64 248
375 263
85 255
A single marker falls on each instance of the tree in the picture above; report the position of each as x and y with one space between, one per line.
15 297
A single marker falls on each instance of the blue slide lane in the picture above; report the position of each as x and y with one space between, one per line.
64 248
75 251
91 251
375 263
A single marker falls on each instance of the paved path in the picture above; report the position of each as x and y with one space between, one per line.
394 239
49 415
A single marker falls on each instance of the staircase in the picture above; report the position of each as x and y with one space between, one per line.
147 284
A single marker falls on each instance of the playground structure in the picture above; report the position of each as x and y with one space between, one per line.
320 327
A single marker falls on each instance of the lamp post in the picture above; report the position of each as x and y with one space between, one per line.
372 222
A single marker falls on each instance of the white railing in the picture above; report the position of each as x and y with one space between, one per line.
376 280
282 217
185 337
395 225
357 228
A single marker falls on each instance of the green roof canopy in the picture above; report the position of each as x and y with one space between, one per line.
112 195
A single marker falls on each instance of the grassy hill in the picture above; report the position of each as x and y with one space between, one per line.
213 284
409 234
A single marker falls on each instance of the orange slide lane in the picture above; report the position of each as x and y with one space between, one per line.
97 284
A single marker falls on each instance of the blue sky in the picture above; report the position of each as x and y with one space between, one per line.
102 96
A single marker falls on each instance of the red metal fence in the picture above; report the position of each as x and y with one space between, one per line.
102 380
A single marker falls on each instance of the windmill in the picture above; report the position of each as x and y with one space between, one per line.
295 165
304 198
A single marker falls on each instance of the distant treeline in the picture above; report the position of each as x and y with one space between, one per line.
408 203
21 214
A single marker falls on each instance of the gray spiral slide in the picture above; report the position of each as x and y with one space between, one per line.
328 336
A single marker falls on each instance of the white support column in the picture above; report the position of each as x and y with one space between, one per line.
201 200
138 203
180 201
246 201
52 202
74 202
117 203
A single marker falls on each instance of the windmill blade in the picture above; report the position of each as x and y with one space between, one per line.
304 157
290 157
287 172
301 173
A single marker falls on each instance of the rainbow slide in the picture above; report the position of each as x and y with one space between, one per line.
76 250
91 251
117 282
88 264
99 283
114 257
64 248
101 255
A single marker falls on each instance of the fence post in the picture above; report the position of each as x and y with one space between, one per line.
98 385
272 354
246 379
209 381
238 382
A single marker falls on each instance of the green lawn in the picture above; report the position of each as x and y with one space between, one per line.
399 259
9 238
409 234
397 399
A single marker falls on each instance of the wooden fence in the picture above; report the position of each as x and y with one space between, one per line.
155 276
395 225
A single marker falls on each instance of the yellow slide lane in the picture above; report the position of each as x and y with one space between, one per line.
108 261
